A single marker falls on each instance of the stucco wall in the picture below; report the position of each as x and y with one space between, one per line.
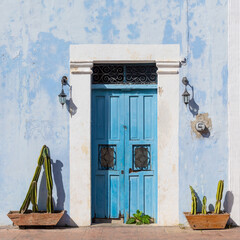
34 55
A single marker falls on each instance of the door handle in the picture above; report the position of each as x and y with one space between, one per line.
122 172
130 170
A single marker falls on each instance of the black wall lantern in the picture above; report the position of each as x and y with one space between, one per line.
62 96
186 95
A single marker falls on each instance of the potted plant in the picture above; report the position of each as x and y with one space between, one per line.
25 217
207 220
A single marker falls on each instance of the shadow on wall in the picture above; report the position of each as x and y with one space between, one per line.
199 203
193 106
57 175
227 206
59 202
71 107
194 109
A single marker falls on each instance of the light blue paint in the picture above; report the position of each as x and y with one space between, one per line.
131 11
112 191
198 47
34 55
134 31
224 91
197 3
88 3
170 36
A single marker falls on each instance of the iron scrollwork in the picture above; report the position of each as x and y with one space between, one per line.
107 74
124 74
141 157
141 74
106 157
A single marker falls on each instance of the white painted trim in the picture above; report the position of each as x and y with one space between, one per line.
80 149
166 58
234 108
168 150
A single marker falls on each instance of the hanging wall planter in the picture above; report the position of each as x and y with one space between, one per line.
25 217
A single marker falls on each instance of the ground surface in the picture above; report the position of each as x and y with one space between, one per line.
100 231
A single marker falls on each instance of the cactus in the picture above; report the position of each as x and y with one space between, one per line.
49 183
219 196
194 202
204 208
34 197
44 158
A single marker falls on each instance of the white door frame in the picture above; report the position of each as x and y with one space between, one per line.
233 196
82 58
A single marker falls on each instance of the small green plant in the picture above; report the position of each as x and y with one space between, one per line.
139 218
194 201
219 196
204 208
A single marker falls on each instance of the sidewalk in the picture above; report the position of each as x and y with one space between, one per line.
100 231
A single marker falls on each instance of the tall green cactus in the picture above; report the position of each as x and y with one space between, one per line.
204 208
219 196
32 191
194 201
34 197
49 183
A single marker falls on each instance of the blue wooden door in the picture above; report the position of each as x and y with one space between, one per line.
141 152
124 153
107 154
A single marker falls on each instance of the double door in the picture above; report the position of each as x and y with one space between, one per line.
124 153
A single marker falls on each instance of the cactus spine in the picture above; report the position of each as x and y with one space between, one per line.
219 196
204 208
194 202
44 158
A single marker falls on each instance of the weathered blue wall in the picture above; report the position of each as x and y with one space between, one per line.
34 55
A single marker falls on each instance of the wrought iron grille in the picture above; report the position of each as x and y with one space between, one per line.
141 157
106 157
124 74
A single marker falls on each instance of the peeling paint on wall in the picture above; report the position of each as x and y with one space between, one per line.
202 118
34 55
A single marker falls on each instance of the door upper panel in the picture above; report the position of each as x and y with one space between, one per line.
107 154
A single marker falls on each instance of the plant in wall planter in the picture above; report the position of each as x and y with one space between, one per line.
139 218
25 217
207 220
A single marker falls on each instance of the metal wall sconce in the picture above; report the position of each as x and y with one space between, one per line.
186 95
62 96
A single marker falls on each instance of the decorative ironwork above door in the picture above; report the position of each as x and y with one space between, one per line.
124 73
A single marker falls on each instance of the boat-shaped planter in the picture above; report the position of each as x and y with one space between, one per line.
35 219
207 221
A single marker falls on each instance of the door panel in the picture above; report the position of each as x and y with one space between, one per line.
141 152
124 126
107 154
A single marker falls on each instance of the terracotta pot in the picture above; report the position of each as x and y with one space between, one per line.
207 221
35 219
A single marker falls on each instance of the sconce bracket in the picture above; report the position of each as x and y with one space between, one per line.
64 81
185 81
